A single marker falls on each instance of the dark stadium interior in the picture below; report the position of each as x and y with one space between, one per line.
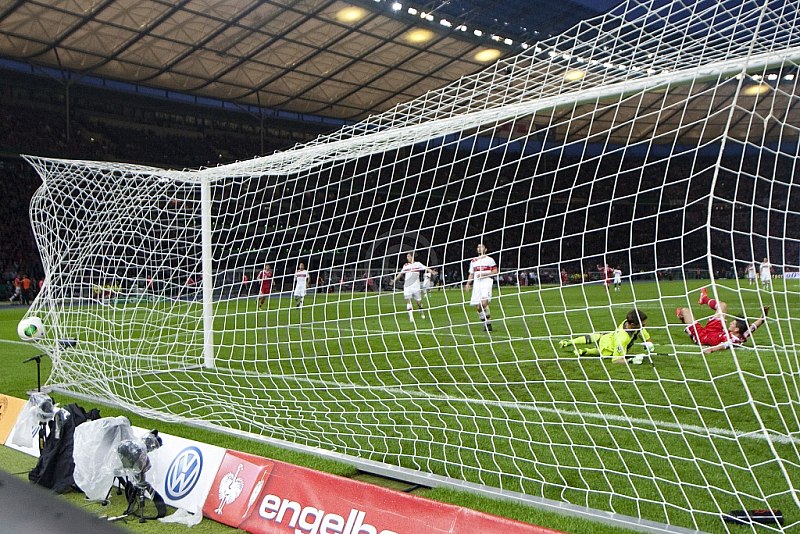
551 221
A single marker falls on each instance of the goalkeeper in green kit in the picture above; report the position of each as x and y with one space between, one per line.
614 345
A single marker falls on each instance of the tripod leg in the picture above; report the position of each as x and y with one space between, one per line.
141 505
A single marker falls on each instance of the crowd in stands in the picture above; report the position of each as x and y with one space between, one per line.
39 132
530 221
18 253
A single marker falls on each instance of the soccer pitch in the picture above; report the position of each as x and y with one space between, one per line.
349 372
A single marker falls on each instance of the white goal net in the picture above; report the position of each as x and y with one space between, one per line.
658 143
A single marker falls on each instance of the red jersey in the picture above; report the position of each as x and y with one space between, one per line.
266 280
715 333
606 274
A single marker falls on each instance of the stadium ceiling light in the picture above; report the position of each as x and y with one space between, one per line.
412 11
574 75
350 14
508 41
419 36
477 33
397 6
446 23
756 89
487 54
772 76
462 28
789 77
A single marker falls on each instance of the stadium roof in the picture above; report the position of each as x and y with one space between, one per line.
331 58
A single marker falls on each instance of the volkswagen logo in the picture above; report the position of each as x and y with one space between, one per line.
183 473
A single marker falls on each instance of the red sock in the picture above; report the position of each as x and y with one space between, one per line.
712 303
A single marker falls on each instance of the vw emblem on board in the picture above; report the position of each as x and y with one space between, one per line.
183 473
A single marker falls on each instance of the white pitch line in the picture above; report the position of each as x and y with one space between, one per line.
761 435
15 342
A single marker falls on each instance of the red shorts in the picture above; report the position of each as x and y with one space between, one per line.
712 334
265 286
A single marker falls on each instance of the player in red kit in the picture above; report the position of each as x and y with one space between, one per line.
715 335
265 276
606 271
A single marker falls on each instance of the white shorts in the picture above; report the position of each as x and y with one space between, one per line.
481 290
412 292
427 286
300 292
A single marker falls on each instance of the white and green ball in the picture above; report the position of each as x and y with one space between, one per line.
30 329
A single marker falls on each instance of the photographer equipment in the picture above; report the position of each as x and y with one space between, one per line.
38 360
55 466
135 463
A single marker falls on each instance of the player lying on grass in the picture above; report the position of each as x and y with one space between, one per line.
714 335
615 345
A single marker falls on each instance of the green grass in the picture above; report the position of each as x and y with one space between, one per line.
350 373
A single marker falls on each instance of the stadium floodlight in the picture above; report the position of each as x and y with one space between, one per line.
660 157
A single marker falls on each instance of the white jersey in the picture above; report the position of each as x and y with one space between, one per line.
481 267
427 283
751 272
300 283
481 270
411 273
617 276
766 271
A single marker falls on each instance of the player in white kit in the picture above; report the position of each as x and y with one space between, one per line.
411 288
751 274
617 279
427 284
766 273
300 284
482 271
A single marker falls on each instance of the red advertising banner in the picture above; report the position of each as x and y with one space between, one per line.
239 483
268 497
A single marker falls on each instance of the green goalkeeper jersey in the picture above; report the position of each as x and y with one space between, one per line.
616 344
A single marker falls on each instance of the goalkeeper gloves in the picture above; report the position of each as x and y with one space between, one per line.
649 346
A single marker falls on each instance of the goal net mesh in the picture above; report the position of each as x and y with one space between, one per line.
659 140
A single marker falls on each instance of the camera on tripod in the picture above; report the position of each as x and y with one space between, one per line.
134 456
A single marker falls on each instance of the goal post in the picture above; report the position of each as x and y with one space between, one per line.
616 169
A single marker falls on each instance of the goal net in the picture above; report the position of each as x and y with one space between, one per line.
659 141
